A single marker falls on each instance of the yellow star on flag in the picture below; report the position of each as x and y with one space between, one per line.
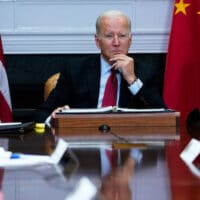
181 7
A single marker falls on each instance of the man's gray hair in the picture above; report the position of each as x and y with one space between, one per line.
111 13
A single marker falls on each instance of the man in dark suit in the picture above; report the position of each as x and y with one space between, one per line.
82 82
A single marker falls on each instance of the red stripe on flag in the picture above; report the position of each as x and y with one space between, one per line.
5 108
5 112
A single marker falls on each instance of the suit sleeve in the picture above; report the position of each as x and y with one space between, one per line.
149 94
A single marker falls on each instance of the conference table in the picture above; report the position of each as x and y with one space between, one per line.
148 165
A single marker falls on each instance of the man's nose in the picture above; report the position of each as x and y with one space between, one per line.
116 40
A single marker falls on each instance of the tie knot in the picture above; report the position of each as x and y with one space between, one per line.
113 71
113 76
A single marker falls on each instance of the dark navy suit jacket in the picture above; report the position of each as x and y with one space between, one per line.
78 87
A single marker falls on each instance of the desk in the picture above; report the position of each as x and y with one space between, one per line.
129 126
160 174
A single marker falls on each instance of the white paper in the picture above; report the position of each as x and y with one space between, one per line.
189 154
85 190
141 110
26 160
88 110
191 151
9 123
110 109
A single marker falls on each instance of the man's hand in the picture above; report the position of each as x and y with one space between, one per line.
125 65
59 109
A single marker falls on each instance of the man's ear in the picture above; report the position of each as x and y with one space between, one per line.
131 39
97 41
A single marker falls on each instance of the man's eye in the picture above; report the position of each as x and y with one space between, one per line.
122 36
109 36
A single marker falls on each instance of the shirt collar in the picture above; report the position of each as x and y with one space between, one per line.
105 66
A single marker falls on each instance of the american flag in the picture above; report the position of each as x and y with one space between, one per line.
5 101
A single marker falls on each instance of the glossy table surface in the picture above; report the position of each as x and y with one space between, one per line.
144 169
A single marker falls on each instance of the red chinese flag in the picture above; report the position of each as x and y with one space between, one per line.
5 102
182 75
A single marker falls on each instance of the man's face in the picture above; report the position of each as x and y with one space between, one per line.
114 37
